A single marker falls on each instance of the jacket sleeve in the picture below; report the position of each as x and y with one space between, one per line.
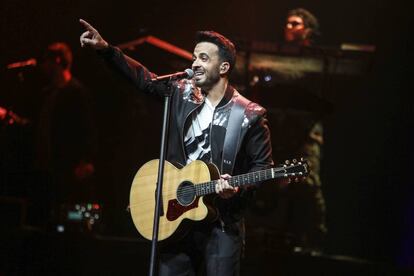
258 147
132 70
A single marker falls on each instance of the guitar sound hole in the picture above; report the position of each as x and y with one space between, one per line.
186 193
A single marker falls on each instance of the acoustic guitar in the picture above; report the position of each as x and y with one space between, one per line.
185 192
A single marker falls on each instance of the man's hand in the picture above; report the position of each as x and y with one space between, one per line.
91 37
223 188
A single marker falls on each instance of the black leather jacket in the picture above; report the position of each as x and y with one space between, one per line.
255 152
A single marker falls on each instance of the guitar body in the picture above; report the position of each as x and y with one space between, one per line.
178 183
188 192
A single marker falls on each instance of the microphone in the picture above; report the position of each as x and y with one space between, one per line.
186 74
20 64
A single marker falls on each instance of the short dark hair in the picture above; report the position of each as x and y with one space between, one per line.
227 51
309 20
61 50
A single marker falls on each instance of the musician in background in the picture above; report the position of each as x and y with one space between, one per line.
292 217
302 205
301 28
199 123
64 128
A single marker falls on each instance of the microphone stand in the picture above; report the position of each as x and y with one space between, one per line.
158 200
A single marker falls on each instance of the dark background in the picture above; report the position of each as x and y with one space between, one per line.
368 152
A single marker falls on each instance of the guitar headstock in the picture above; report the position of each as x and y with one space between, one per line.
294 170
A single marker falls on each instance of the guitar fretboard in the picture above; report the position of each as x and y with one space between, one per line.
206 188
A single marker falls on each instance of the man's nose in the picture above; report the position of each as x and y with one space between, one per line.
195 64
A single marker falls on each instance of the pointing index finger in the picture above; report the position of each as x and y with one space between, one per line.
86 25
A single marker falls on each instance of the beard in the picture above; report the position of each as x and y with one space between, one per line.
211 77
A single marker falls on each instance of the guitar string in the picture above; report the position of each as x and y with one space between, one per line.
197 191
237 179
187 192
194 189
250 177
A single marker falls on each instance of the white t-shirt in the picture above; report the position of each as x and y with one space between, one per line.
197 138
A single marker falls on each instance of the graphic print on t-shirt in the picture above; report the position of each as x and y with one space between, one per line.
197 138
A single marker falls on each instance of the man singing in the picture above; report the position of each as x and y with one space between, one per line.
199 124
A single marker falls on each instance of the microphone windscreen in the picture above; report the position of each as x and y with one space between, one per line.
190 73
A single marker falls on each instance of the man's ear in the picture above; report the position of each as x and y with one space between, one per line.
224 67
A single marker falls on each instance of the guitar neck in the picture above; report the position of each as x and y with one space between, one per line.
206 188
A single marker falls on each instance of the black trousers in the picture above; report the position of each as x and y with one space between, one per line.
206 250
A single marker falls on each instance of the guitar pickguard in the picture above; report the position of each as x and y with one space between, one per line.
175 209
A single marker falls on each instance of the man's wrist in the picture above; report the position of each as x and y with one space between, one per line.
106 51
105 45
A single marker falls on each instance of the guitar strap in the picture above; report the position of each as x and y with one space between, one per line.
232 138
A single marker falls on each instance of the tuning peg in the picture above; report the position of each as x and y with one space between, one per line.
287 162
294 160
302 159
